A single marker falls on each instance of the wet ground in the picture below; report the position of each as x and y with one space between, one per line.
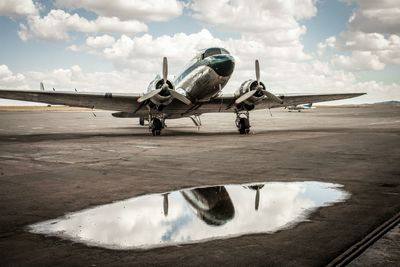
58 163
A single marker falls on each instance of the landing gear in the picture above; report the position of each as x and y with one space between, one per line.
243 122
156 127
156 124
196 120
141 121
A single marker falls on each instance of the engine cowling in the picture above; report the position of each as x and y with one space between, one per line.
253 91
161 91
251 85
163 97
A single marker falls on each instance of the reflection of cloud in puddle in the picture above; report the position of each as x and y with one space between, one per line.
210 213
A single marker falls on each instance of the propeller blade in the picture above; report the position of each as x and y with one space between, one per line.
273 97
257 72
148 95
245 96
165 70
180 97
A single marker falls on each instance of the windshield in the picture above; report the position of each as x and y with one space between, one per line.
214 51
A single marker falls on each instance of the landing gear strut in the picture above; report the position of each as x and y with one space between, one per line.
243 122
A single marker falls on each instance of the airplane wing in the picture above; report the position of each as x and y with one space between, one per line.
225 103
127 103
292 100
107 101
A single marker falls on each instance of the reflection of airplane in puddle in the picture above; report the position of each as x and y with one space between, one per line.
193 215
299 108
212 205
165 204
256 187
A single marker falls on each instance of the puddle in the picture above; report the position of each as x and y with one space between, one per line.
194 215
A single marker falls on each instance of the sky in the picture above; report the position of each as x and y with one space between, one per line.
304 46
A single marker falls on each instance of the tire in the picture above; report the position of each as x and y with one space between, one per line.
141 121
244 126
157 127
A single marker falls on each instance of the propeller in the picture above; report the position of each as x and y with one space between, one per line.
245 96
179 97
164 87
259 87
149 95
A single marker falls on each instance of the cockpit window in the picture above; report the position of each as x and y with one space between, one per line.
224 51
213 51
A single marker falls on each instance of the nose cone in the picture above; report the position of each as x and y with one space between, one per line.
223 65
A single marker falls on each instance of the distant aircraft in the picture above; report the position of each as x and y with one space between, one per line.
195 91
299 108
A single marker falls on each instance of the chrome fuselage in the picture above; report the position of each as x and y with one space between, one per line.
204 78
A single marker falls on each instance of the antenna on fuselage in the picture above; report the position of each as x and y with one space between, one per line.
41 86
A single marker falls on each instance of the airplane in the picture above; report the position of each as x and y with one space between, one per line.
299 108
195 91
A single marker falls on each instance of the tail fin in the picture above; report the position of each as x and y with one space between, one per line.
41 86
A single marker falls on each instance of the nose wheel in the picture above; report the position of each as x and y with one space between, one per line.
243 122
156 125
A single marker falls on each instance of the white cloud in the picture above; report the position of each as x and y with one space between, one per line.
368 37
370 51
253 15
93 43
14 8
359 60
57 24
143 10
375 16
10 80
275 22
100 41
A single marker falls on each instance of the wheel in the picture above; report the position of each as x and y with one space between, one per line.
141 121
156 127
244 126
156 132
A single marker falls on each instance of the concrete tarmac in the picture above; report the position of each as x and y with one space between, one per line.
52 163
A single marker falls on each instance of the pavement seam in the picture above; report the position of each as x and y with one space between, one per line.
358 248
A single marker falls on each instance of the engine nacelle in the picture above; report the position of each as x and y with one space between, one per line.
164 96
248 86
